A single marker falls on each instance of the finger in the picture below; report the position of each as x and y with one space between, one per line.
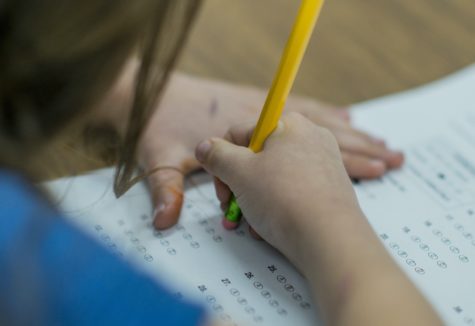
343 114
166 187
368 138
222 191
361 166
328 116
357 142
222 159
254 234
224 207
241 134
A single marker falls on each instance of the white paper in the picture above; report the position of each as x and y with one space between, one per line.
423 213
237 277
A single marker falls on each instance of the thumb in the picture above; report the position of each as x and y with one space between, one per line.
222 158
166 186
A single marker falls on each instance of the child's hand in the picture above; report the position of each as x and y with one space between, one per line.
297 182
194 108
296 194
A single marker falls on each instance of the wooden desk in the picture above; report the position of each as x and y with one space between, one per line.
361 49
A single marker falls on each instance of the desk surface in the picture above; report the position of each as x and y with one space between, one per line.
361 49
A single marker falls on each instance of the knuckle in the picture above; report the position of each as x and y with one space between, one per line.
296 124
327 136
229 134
215 153
324 132
240 134
293 116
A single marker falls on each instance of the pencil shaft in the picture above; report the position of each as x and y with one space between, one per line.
288 68
282 84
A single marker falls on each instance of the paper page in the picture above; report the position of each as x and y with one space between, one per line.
423 213
239 279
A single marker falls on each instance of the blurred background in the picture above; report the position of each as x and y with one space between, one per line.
361 49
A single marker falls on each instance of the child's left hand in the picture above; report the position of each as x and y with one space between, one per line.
193 109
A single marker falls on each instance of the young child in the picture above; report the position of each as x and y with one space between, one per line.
65 62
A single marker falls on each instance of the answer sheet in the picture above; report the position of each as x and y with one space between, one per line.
423 213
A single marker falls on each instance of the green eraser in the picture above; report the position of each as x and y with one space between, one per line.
233 213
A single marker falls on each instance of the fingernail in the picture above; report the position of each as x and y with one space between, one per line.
395 158
377 164
160 208
399 153
165 200
202 150
394 154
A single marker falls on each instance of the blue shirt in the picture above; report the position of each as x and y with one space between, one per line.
52 274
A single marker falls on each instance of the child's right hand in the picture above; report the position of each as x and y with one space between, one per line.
296 186
296 194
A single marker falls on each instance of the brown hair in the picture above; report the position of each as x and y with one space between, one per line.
60 56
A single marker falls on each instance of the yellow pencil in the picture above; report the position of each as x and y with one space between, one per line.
281 86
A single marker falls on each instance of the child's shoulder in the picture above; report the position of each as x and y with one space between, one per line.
20 202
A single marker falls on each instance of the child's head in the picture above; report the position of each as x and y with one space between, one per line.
59 57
